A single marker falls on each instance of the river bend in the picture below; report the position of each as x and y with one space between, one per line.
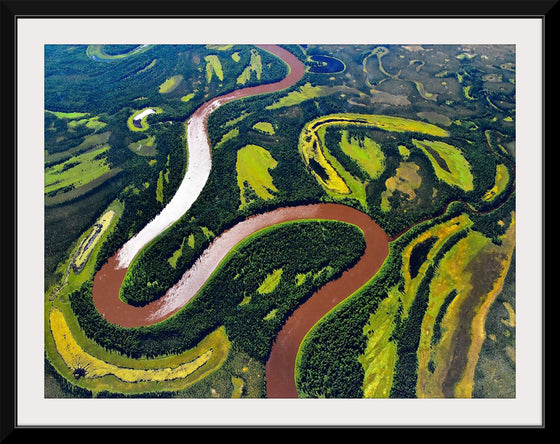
200 158
280 367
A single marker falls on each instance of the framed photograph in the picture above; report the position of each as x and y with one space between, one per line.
270 214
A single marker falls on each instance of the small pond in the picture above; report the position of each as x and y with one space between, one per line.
322 64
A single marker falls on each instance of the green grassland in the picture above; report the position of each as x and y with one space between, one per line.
231 134
87 246
367 154
264 127
178 253
501 181
77 171
92 123
380 356
73 120
90 141
270 282
354 186
448 162
170 84
106 372
68 115
254 67
79 267
253 165
213 67
304 93
188 97
144 147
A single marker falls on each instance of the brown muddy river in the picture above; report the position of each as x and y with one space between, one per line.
280 367
200 158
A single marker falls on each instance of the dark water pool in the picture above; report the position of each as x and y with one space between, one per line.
325 64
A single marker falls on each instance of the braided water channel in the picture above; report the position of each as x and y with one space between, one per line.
280 366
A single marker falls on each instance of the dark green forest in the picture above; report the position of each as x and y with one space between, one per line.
293 247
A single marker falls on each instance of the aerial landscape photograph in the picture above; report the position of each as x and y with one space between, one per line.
280 221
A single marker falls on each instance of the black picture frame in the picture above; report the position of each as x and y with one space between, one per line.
12 11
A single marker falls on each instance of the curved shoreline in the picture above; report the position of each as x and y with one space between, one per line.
108 280
200 158
280 367
198 171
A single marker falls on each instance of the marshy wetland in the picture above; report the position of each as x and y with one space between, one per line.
280 221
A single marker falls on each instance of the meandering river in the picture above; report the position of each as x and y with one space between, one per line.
200 158
280 367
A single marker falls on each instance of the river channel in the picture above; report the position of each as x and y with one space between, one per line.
280 367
